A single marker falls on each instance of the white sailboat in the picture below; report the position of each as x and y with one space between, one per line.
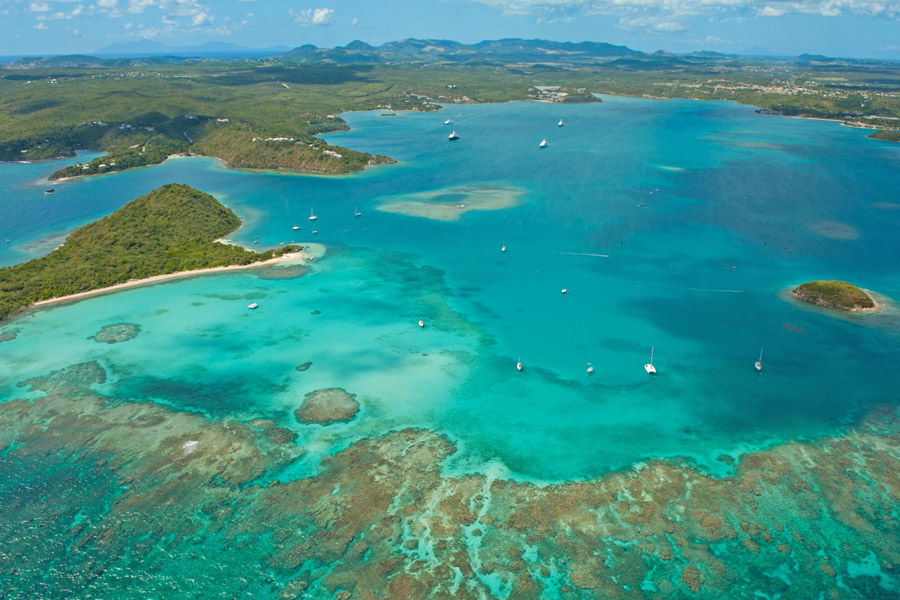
312 215
356 212
590 368
560 124
448 122
252 306
453 136
519 365
651 370
544 143
295 227
758 364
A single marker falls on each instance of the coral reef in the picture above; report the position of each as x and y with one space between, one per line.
119 332
110 497
332 405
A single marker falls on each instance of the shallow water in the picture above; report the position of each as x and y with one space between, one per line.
671 224
674 225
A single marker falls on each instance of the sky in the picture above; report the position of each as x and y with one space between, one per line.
843 28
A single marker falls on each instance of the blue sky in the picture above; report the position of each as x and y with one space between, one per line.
856 28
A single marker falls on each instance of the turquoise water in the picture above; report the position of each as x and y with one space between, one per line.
737 207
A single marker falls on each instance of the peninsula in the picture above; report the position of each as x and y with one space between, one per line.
269 114
170 230
838 295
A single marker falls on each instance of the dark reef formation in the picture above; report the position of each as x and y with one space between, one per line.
106 497
113 334
332 405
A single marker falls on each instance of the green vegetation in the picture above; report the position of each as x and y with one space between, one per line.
265 113
834 294
168 230
887 135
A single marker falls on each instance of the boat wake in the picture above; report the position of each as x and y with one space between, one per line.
585 254
693 289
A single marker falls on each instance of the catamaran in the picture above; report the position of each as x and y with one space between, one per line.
312 215
758 364
651 370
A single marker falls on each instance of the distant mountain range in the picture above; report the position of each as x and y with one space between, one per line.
430 51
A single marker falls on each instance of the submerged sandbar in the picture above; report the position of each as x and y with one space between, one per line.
449 204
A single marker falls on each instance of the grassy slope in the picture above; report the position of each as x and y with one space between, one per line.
168 230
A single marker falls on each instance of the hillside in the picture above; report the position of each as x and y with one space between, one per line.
170 229
267 113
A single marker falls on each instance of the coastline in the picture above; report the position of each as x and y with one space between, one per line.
309 253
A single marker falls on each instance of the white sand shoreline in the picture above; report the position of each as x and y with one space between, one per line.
309 253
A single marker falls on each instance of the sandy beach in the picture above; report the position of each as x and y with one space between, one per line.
309 253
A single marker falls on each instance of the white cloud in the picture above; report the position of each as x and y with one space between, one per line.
201 18
312 16
138 6
39 7
107 3
669 15
41 25
650 24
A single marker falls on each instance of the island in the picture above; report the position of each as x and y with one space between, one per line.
173 229
838 295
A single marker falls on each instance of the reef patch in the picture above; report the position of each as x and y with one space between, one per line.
284 272
114 334
8 334
332 405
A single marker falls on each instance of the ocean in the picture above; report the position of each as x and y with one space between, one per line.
677 226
